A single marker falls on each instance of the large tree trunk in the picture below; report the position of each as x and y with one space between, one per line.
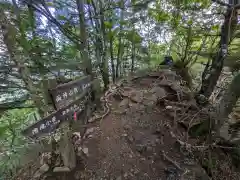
210 80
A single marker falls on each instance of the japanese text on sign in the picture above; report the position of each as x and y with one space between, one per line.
66 93
50 123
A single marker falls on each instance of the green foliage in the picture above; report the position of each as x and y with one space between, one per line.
158 15
11 140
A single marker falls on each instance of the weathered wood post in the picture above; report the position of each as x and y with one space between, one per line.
68 99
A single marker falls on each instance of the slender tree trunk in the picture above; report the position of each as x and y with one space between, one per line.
112 58
211 78
84 46
104 64
120 50
133 57
83 37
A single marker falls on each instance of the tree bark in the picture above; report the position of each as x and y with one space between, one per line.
104 59
133 56
120 50
210 80
83 36
226 105
112 58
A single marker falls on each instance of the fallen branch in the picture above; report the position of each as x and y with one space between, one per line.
171 161
190 123
180 104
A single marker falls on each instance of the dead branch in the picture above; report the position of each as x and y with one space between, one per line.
190 123
171 161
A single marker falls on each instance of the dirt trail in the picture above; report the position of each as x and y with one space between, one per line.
135 140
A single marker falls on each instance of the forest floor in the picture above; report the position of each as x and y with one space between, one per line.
145 136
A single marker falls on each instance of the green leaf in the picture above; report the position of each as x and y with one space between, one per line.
123 23
61 17
190 22
50 4
108 24
215 27
89 2
3 130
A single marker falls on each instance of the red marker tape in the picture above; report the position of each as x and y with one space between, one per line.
75 116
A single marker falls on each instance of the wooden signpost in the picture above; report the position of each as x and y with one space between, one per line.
69 99
69 92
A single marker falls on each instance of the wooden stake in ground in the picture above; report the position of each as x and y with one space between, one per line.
66 148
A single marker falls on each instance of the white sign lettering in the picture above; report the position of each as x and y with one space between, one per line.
53 119
63 113
70 93
75 90
47 123
42 126
35 131
58 98
65 95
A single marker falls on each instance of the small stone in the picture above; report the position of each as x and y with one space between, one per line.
90 136
61 169
124 135
77 134
127 127
169 107
125 175
85 151
160 92
89 131
137 96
